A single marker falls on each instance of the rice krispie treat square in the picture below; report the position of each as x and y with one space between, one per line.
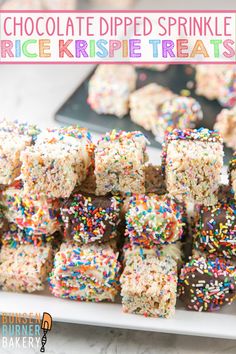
35 213
144 104
217 82
149 286
57 162
14 138
192 162
209 79
119 163
89 218
110 87
89 273
25 268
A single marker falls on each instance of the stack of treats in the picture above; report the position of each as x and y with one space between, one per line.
37 170
99 221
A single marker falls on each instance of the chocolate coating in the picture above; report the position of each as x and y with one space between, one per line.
215 231
88 218
207 284
154 180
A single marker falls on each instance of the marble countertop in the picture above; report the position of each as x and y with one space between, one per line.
77 339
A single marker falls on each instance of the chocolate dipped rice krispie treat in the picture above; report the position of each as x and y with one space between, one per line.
88 218
215 229
206 284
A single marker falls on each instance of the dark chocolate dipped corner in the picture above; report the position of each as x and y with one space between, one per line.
88 218
206 284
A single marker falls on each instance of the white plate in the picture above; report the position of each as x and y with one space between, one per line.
220 324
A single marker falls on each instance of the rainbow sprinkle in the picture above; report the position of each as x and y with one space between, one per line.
207 284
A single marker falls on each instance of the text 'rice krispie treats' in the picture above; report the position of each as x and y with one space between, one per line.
217 82
192 162
178 112
144 104
57 162
206 284
215 229
88 218
232 175
25 268
35 213
110 87
119 163
14 138
226 125
88 273
149 286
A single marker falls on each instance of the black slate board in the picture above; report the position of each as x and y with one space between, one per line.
76 110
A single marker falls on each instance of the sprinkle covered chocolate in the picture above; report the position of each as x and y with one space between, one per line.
88 218
207 284
215 230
